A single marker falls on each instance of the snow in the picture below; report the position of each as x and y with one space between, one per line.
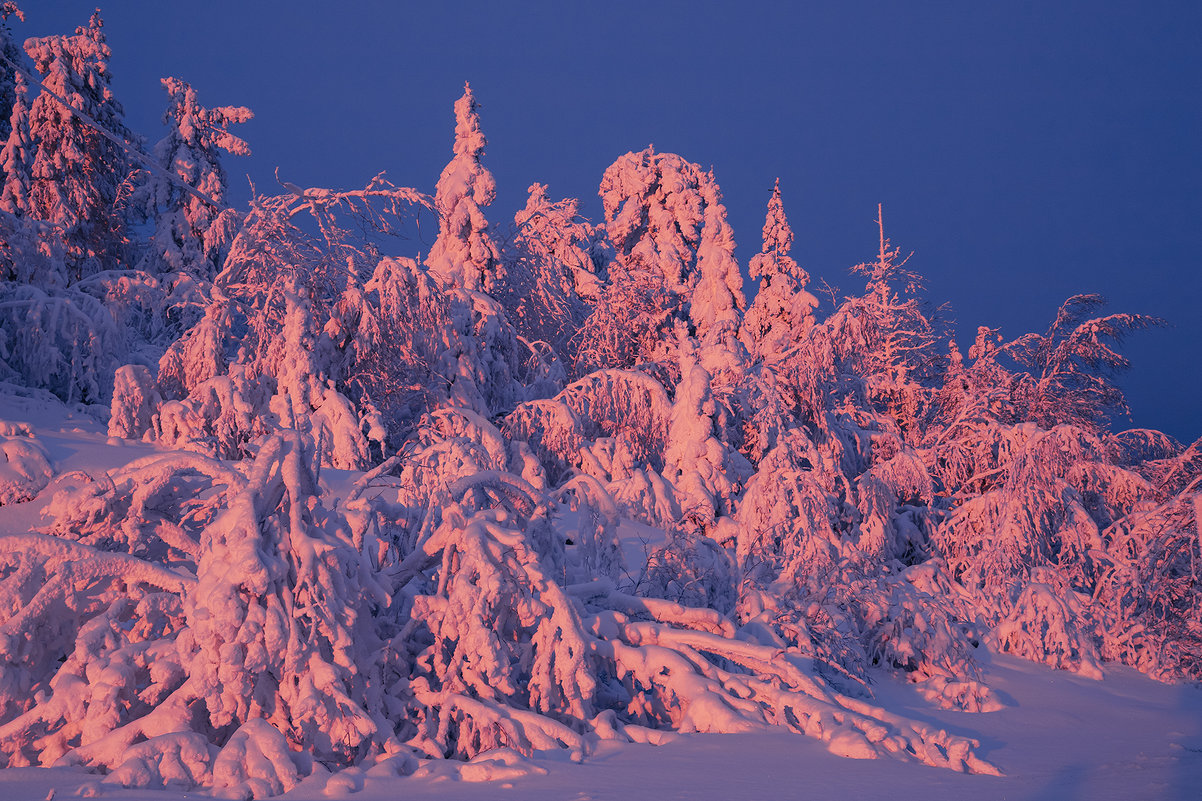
1059 736
25 467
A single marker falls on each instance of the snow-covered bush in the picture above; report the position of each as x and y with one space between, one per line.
181 601
135 398
508 662
1148 600
1045 625
789 523
225 416
1034 516
62 340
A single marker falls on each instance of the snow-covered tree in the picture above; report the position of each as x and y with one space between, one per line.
790 521
1040 522
706 473
1070 369
629 325
465 255
466 264
16 159
782 313
51 336
400 342
282 322
674 250
8 76
716 303
881 345
77 171
184 238
509 655
550 271
654 206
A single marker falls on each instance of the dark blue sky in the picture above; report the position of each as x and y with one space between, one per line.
1026 152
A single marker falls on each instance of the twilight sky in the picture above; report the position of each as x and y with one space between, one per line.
1025 152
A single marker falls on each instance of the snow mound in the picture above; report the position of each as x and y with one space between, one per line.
25 467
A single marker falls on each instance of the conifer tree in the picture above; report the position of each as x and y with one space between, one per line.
717 303
16 159
8 76
782 312
464 255
482 374
183 240
77 172
707 475
654 212
883 342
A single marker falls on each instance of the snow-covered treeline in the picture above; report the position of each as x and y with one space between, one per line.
597 492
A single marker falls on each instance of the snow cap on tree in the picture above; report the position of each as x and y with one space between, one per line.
464 254
654 212
666 220
782 311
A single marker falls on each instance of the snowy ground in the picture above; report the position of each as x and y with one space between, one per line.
1060 736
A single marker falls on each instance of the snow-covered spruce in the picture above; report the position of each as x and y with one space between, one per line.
76 173
782 312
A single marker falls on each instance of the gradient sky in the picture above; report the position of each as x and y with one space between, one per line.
1025 151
